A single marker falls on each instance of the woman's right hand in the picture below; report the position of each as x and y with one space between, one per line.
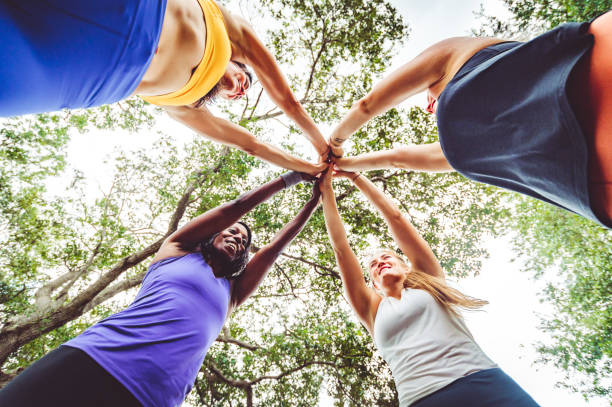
316 169
347 163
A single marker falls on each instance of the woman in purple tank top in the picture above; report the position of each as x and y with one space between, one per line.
150 353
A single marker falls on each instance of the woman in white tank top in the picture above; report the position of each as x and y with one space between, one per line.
413 315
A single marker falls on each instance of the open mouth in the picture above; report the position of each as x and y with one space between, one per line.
383 268
232 246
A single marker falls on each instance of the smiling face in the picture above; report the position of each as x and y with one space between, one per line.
235 82
386 268
232 241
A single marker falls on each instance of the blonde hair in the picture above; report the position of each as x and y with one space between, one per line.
450 298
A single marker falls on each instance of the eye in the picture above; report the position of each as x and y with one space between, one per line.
244 242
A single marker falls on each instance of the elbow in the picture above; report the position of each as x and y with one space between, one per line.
341 250
292 106
251 146
396 215
399 156
364 106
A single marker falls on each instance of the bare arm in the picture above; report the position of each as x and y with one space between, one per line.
258 266
228 133
249 49
405 235
215 220
434 67
420 157
362 298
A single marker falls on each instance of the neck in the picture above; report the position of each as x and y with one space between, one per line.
217 267
394 289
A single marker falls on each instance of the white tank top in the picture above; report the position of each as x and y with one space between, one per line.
426 347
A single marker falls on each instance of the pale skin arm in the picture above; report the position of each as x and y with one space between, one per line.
432 69
363 299
410 242
230 134
420 157
258 266
248 48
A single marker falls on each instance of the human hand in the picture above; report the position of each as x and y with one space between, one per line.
316 169
336 152
294 177
346 163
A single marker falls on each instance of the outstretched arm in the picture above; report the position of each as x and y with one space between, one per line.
419 157
248 48
230 134
215 220
433 68
362 298
405 235
258 266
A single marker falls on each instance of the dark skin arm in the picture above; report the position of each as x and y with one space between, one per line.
188 237
258 266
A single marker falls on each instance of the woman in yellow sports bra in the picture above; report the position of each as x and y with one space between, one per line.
202 52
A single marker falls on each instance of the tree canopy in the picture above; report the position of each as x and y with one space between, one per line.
69 259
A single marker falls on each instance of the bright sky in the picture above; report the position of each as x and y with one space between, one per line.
507 329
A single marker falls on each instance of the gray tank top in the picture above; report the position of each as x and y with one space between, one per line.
505 119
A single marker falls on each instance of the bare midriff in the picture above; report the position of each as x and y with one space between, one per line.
590 92
180 49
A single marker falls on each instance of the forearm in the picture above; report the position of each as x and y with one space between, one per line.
385 206
278 157
422 157
225 215
276 85
333 222
360 296
404 233
262 261
282 239
298 114
350 123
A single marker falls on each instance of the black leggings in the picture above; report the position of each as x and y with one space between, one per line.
66 377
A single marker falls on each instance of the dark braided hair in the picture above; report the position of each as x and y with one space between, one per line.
234 267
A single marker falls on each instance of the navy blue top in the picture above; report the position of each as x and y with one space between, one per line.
156 346
505 119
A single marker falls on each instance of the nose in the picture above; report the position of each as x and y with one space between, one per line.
238 239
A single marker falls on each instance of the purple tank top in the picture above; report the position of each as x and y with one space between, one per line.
156 346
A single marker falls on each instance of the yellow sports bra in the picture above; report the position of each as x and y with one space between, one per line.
212 66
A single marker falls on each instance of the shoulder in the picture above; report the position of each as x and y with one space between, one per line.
170 248
239 32
454 52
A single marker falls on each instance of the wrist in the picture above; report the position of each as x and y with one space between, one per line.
336 141
354 178
291 178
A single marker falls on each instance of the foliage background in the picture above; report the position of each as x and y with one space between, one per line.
67 259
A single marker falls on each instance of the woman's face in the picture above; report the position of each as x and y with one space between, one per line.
232 241
234 82
386 269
